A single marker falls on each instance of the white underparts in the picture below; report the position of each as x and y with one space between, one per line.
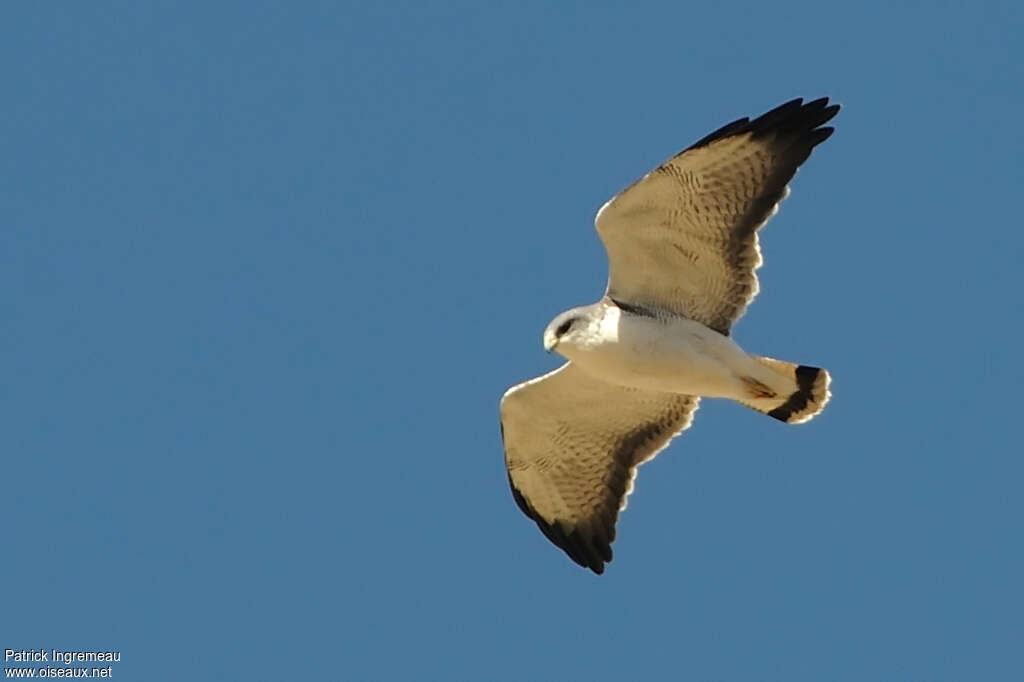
673 355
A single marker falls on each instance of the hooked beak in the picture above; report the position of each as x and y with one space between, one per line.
550 342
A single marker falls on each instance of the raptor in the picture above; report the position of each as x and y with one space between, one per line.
682 245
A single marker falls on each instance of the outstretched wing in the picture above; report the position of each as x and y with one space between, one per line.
572 445
684 237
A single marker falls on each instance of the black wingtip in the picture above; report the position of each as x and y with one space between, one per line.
589 550
794 117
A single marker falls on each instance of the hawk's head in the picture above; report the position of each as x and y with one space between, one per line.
576 327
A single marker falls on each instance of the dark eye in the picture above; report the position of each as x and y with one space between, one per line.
563 328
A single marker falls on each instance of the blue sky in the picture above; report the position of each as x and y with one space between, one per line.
266 269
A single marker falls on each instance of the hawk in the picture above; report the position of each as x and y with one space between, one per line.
682 253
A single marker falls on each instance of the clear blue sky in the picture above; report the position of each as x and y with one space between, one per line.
266 269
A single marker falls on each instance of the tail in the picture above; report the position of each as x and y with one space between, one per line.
807 397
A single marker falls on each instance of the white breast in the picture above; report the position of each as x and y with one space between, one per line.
675 355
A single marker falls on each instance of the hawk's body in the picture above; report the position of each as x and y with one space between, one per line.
682 249
669 354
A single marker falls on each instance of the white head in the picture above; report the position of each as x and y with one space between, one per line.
576 328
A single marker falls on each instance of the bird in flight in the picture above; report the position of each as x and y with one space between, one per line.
682 253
